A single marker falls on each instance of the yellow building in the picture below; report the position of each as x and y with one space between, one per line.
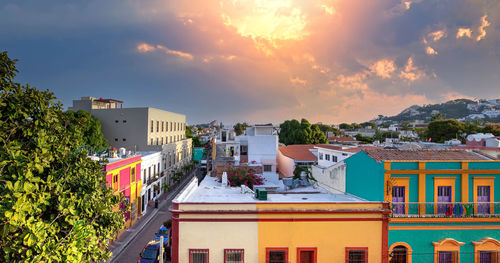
212 223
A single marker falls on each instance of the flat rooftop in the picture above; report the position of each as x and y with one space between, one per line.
211 191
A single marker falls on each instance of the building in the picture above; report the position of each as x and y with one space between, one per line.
295 155
136 129
123 175
444 207
153 178
342 140
142 129
214 223
258 147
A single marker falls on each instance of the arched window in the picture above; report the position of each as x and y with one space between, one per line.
486 250
447 251
400 252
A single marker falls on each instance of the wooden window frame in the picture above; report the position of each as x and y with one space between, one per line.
486 244
408 250
269 249
194 250
234 250
443 181
447 244
405 182
313 249
484 181
349 249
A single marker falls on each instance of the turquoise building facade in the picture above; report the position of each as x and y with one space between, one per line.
445 203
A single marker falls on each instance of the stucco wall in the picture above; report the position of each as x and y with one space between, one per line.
331 178
285 164
364 177
262 147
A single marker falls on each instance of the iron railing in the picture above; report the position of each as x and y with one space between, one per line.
446 209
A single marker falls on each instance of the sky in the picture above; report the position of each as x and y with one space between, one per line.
259 61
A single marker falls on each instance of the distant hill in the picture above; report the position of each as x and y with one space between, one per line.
460 109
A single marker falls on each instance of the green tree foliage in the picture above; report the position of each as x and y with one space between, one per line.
437 116
239 128
369 124
189 132
443 130
293 132
492 128
87 128
346 126
326 128
54 202
196 141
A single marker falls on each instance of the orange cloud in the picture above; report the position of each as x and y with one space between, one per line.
383 68
298 81
437 35
411 73
430 51
481 29
464 32
144 47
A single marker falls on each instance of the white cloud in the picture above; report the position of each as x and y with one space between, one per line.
411 72
430 51
383 68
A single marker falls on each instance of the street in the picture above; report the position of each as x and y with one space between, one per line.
146 234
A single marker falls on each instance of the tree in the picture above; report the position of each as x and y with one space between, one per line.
54 202
293 132
492 128
196 141
87 128
370 124
346 126
240 128
189 132
443 130
437 116
326 128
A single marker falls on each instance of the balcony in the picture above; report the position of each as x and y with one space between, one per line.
445 210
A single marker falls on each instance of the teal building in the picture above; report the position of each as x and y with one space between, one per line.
444 204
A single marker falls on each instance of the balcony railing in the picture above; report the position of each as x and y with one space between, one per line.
443 209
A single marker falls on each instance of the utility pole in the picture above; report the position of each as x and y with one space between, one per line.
161 249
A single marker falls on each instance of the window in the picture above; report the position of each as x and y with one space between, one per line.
151 143
268 168
483 194
157 126
444 193
447 250
448 257
276 255
124 121
152 128
356 254
157 141
398 199
162 123
123 139
116 139
162 140
170 126
198 256
116 121
400 252
486 250
334 158
132 175
234 255
306 255
327 157
321 156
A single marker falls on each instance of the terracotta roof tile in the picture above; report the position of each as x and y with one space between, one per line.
298 152
342 139
347 149
422 155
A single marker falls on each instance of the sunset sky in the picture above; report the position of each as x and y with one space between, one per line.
260 61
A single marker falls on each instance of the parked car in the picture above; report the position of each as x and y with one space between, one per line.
150 253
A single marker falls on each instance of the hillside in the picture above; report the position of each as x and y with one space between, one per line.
460 109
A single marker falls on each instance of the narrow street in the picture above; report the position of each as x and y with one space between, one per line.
132 250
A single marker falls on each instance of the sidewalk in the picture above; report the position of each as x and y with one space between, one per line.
129 235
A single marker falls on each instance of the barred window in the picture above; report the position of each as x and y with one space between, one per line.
356 254
234 255
277 255
198 256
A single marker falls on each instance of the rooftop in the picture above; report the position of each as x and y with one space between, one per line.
346 149
299 152
423 155
211 191
342 139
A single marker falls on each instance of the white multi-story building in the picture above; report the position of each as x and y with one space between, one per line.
153 177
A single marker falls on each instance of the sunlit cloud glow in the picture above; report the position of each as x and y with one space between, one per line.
144 48
481 29
383 68
464 32
430 51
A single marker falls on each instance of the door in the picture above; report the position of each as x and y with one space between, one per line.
307 257
444 196
398 199
483 196
399 254
485 257
446 257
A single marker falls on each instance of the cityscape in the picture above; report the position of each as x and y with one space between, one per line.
279 131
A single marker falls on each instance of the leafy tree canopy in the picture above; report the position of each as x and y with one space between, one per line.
87 128
293 132
239 128
325 128
54 202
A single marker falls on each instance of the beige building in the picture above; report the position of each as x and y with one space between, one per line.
141 129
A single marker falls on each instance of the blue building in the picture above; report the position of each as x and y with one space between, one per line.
444 207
